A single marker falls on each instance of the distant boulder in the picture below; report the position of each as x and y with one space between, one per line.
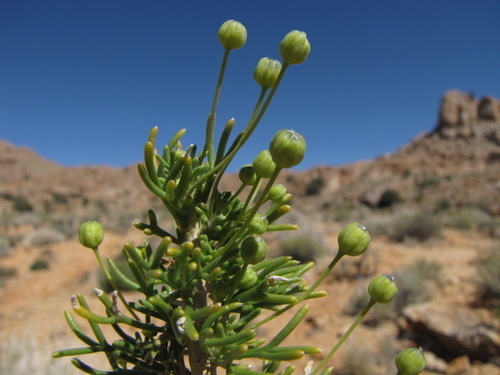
456 108
460 112
457 331
43 236
489 109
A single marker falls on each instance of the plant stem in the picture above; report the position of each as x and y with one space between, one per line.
344 337
254 121
208 148
113 284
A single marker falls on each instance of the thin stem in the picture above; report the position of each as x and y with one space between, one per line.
321 277
246 134
344 337
257 115
208 148
110 279
251 127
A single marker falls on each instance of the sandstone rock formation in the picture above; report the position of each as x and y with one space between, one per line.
460 112
455 332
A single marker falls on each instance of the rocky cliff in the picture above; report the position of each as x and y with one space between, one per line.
456 164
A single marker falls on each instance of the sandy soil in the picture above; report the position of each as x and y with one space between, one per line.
32 303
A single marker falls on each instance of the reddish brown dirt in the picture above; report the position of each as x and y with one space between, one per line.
34 302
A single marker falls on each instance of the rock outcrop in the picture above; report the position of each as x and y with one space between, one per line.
460 113
454 332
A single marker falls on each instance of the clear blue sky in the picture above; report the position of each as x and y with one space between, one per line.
83 81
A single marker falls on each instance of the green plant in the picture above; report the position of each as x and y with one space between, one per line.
389 198
39 264
21 204
488 278
416 282
302 248
5 273
315 186
206 285
468 218
417 226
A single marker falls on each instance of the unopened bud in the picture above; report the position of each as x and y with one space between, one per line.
277 193
220 290
263 164
287 148
295 47
353 239
232 34
410 361
253 249
382 289
266 72
247 175
91 234
259 224
249 279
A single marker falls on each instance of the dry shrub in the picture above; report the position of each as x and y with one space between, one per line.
415 282
488 278
303 248
416 226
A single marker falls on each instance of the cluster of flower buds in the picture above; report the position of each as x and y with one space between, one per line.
207 282
209 279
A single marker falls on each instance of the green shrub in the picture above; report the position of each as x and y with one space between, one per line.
415 282
469 218
39 264
302 248
389 198
488 278
315 186
419 226
21 204
443 205
5 273
5 246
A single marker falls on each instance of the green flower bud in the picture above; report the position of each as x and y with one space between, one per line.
247 175
91 234
232 34
295 47
353 239
249 279
253 250
259 224
410 361
382 289
266 72
277 193
287 148
220 290
263 164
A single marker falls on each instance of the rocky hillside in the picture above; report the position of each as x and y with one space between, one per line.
457 165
